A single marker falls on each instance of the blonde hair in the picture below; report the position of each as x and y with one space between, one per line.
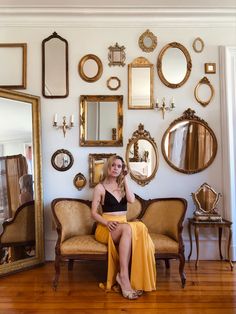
120 178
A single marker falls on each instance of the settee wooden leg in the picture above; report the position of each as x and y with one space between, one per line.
181 269
57 272
167 263
70 264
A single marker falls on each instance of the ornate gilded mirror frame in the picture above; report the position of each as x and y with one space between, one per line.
83 75
147 35
55 67
96 163
79 181
116 55
38 258
203 81
189 116
206 199
160 60
116 131
113 83
141 134
140 63
62 163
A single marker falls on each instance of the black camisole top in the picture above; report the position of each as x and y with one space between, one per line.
112 205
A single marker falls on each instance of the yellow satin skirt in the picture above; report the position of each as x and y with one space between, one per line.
143 266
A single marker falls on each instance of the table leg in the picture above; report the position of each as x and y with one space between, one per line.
190 239
220 237
197 244
229 242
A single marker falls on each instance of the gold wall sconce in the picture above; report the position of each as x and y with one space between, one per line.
163 107
64 126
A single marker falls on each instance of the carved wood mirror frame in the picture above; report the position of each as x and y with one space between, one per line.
38 258
150 36
66 163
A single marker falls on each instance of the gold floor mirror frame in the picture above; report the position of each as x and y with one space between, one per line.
22 264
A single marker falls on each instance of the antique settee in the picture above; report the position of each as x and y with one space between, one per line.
75 227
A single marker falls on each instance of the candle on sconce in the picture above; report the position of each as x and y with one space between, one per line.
55 118
72 119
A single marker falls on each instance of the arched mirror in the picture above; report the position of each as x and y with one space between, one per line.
55 81
79 181
142 156
147 41
90 68
189 145
21 216
62 160
101 120
140 84
204 92
174 65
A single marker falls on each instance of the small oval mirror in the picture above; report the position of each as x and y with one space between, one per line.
90 68
147 41
198 45
79 181
62 160
204 92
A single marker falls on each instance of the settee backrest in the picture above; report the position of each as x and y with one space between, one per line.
165 216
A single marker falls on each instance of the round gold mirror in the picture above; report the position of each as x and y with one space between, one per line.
142 156
113 83
174 65
90 68
79 181
189 145
62 160
198 45
204 92
147 41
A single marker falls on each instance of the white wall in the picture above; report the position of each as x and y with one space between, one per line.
96 40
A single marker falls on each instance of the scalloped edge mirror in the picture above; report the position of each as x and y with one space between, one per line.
147 35
38 258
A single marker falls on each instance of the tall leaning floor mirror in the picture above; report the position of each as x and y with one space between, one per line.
21 215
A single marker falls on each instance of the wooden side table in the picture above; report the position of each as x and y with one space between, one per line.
209 224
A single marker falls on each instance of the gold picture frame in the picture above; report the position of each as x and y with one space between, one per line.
116 55
210 68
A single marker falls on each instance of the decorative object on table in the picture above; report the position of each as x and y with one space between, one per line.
90 68
189 145
116 55
198 45
142 156
206 200
79 181
140 84
13 65
113 83
204 92
147 41
210 68
64 126
62 160
55 76
163 107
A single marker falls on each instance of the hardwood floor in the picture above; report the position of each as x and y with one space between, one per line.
210 289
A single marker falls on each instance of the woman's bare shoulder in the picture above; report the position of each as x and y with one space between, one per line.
99 188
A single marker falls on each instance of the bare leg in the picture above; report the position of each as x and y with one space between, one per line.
122 235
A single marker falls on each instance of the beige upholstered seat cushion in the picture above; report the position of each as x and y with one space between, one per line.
164 244
133 210
82 244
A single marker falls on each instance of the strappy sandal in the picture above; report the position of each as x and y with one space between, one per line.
128 294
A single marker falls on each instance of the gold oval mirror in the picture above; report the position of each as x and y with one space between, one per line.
198 45
90 68
140 84
142 156
147 41
189 145
21 210
55 82
174 65
79 181
204 92
62 160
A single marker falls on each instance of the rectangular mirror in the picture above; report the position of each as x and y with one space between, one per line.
96 163
13 60
140 84
21 213
101 120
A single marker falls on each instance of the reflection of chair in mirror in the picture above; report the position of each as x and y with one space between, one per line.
26 188
19 233
206 200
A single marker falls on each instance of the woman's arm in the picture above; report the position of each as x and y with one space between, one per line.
129 194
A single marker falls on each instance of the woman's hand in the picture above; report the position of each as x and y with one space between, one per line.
112 225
